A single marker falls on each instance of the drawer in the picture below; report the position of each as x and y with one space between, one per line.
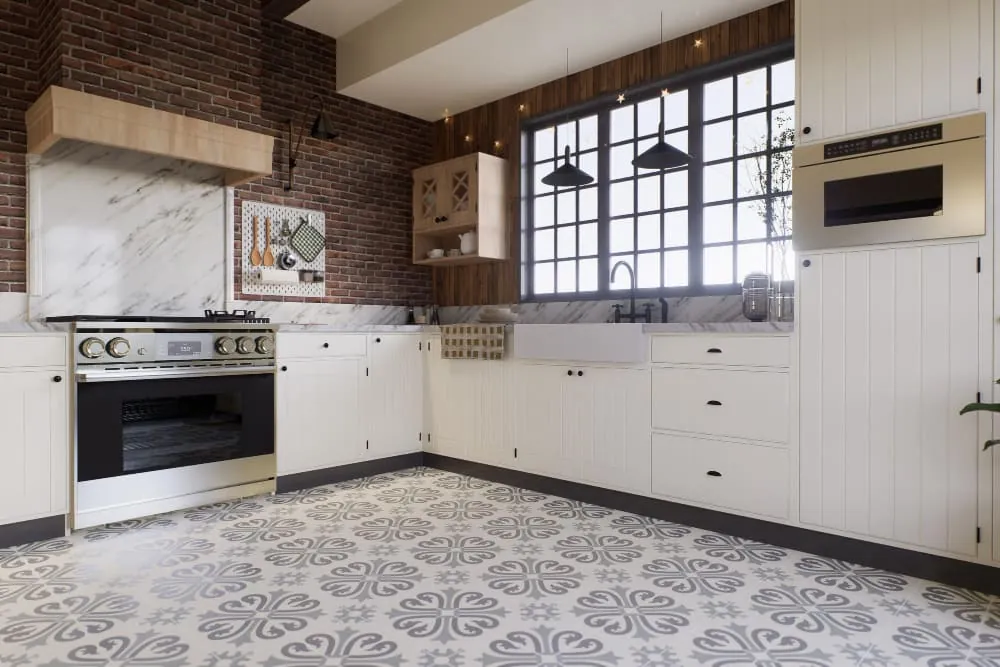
735 403
748 478
33 351
720 350
320 345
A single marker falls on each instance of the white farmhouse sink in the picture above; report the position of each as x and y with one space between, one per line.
597 343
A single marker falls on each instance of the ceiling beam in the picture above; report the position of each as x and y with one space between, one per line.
279 9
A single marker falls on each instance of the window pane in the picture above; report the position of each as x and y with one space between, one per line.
752 132
719 99
751 174
718 182
566 242
649 194
623 198
622 123
750 258
676 109
567 207
588 204
545 144
783 127
621 281
545 244
750 221
751 89
718 265
545 278
675 229
718 224
545 211
648 237
588 162
718 140
621 161
675 189
678 140
541 171
781 171
588 133
566 136
783 262
588 275
566 276
588 239
648 275
675 268
783 82
781 210
649 117
622 232
647 143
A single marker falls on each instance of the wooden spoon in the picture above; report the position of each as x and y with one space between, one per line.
268 255
255 259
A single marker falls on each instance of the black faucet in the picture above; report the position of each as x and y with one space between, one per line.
664 310
631 315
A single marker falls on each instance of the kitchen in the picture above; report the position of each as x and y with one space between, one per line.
150 181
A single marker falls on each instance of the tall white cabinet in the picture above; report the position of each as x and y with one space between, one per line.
889 342
866 65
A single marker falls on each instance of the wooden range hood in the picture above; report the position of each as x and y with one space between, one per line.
61 113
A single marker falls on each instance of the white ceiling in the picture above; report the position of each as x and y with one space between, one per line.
338 17
526 47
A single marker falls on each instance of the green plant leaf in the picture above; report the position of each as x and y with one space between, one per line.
990 443
980 407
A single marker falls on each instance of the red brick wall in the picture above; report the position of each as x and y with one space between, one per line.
220 60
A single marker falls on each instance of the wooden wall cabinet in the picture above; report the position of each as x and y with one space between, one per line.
466 194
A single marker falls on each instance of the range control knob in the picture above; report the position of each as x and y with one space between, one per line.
92 348
244 345
225 345
265 345
118 347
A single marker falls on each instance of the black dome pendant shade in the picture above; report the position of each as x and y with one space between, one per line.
662 156
568 175
322 128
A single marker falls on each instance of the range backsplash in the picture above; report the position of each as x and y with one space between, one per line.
682 309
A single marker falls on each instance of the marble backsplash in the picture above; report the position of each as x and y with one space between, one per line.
341 315
120 232
682 309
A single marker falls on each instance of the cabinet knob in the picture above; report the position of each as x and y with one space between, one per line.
579 373
714 350
807 263
326 345
570 373
807 130
57 378
714 473
715 403
284 368
378 340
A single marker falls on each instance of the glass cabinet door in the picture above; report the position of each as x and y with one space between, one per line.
427 199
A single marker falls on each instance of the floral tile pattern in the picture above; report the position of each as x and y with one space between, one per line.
424 568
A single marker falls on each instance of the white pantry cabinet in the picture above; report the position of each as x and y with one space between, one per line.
864 65
889 344
581 423
394 395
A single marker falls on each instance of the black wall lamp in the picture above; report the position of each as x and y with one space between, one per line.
322 129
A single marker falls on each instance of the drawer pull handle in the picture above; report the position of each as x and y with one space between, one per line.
714 350
714 473
717 403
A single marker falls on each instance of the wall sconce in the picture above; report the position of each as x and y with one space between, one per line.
322 129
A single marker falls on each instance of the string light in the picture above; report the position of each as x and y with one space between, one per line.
621 97
497 144
666 91
698 43
521 108
468 138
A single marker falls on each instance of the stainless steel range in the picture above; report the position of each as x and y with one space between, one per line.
170 412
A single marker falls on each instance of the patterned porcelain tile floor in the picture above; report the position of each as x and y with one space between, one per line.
431 569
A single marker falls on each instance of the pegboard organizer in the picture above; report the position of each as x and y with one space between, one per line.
252 283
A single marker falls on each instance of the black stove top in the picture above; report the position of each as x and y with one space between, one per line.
242 316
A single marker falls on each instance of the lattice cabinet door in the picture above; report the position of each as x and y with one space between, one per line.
462 190
430 203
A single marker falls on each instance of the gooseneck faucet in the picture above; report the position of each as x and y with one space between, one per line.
631 316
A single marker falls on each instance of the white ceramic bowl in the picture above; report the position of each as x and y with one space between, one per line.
437 253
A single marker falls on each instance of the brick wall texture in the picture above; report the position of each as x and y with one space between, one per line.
223 61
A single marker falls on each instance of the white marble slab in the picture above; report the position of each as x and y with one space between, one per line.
683 309
119 232
721 327
326 314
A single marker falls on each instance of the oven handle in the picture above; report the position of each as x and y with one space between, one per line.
169 373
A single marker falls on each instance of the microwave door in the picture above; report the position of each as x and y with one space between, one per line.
895 195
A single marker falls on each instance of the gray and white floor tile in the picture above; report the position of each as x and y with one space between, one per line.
431 569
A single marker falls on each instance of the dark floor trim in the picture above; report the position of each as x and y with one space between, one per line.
893 559
35 530
307 480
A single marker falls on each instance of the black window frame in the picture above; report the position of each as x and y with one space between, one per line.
692 81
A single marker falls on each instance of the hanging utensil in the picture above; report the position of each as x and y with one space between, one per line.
268 254
255 258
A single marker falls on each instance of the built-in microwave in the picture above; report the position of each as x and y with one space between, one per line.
908 184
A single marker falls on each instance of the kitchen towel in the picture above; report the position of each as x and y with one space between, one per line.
472 341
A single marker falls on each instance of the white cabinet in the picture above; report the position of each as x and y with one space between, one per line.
864 65
394 395
319 413
588 424
889 353
34 448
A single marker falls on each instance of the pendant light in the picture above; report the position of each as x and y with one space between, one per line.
568 175
662 156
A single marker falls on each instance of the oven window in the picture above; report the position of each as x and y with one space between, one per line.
898 195
171 432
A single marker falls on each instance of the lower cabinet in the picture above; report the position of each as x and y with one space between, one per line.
394 395
34 449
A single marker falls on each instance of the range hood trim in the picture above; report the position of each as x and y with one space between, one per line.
62 113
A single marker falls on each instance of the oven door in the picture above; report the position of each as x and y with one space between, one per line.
134 424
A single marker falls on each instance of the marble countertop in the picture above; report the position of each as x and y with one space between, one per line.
353 328
721 327
23 327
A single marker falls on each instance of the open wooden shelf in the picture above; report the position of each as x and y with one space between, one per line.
443 230
455 261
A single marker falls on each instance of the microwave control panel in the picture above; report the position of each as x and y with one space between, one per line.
880 142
